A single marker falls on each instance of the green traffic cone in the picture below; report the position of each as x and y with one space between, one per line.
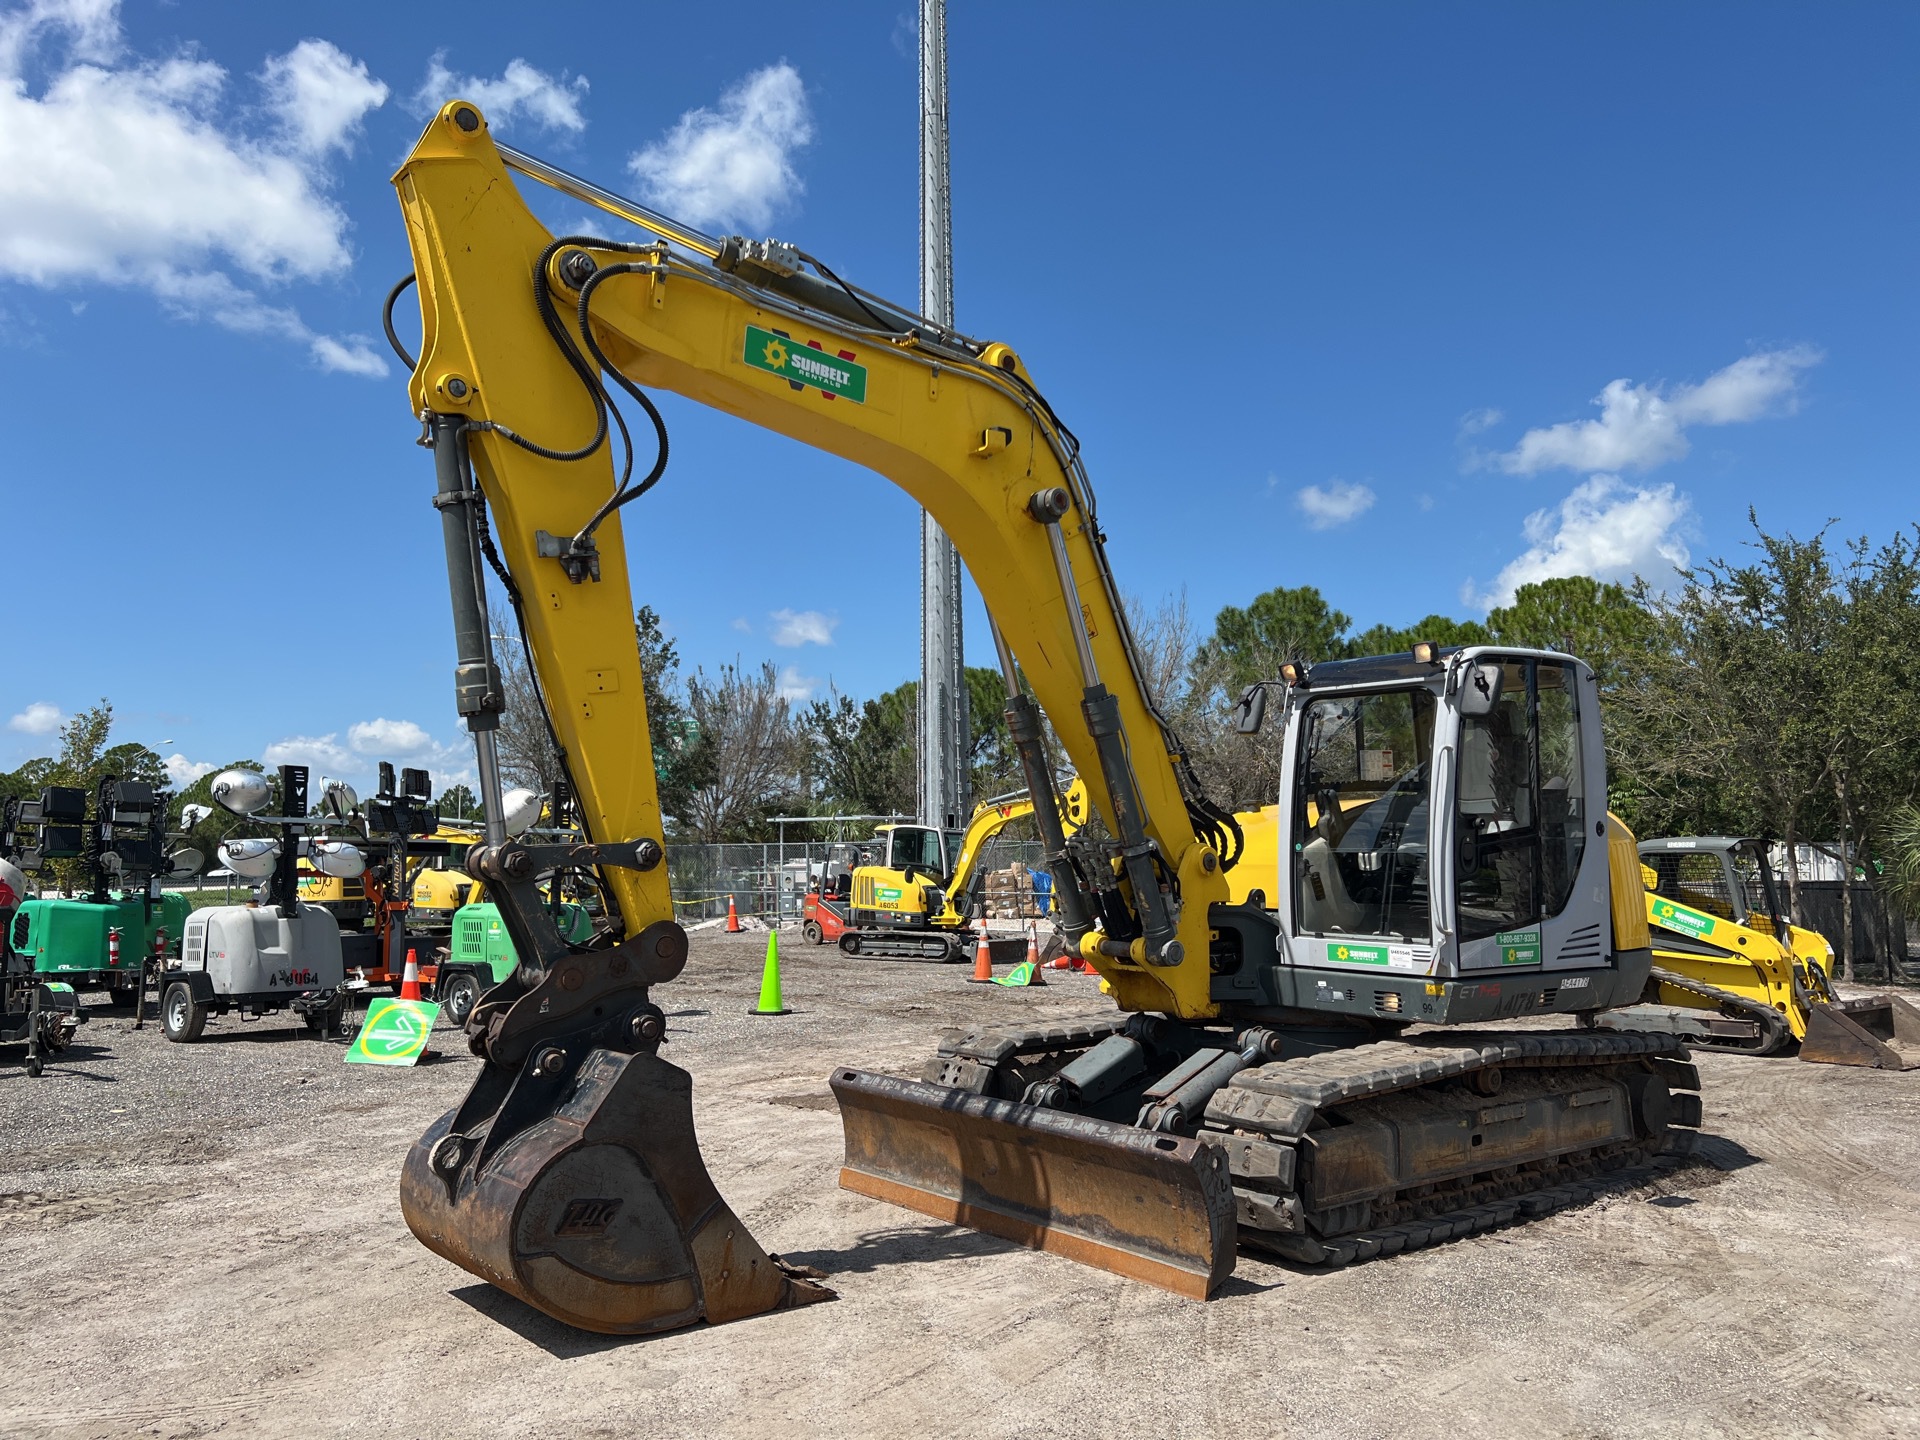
770 1002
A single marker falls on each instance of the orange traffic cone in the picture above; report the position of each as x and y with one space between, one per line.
733 918
982 960
410 978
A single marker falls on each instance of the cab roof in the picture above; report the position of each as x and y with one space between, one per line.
1402 668
1711 843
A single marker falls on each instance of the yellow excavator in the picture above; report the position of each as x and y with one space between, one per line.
908 907
1448 857
1731 972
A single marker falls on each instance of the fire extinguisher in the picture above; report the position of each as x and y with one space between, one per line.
113 948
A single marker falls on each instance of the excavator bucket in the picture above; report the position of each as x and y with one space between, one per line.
598 1210
1882 1031
1149 1206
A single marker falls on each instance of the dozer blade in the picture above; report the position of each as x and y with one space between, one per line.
1882 1031
1149 1206
598 1210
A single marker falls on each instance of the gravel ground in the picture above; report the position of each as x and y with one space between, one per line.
206 1239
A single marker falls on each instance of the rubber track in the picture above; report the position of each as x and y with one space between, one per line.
1281 1100
1469 1220
1774 1025
1281 1097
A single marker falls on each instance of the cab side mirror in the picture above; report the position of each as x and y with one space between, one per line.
1480 691
1251 710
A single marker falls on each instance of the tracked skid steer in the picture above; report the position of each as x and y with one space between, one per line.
1730 972
1311 1073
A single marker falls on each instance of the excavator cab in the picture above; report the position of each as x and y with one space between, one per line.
1444 821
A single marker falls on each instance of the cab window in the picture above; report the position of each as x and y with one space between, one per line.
918 847
1360 821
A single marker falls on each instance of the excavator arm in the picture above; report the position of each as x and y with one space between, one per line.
989 820
570 1175
960 426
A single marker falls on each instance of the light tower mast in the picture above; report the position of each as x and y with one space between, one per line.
945 729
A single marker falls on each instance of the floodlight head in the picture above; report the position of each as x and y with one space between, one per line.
185 862
519 810
242 792
250 859
192 815
338 859
339 800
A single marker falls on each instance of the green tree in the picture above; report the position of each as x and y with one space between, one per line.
1278 626
862 752
457 802
1435 630
1603 623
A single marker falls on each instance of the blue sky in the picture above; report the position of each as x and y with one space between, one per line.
1412 303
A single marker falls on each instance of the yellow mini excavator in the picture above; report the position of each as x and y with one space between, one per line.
1446 859
909 907
1732 973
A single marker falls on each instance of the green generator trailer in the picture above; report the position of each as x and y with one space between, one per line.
480 956
72 941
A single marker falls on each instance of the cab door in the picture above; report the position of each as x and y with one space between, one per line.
1528 885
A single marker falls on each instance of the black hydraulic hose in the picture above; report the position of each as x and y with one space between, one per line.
386 320
623 492
543 302
872 314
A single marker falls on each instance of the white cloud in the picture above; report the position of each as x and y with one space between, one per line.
39 718
734 165
1336 504
322 95
794 687
1604 528
743 625
1642 426
368 741
322 753
1474 421
384 738
183 772
212 296
121 171
802 627
548 102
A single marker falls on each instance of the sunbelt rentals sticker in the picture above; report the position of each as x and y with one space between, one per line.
1518 947
1669 916
801 364
1342 952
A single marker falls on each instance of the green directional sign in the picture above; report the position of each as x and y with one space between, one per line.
796 361
395 1032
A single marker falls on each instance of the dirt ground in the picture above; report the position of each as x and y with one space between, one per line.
206 1240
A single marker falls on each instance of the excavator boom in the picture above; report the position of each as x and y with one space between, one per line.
570 1175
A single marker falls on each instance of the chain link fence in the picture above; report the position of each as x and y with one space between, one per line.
769 880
